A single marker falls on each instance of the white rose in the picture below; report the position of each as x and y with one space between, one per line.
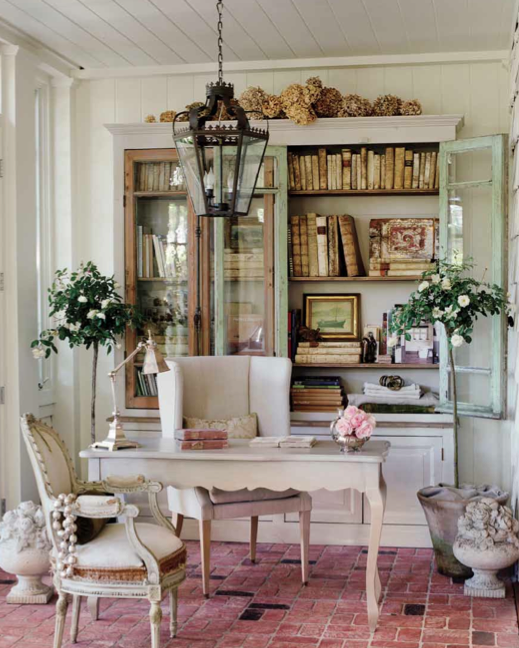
117 285
436 279
448 309
463 300
446 284
437 313
38 352
105 303
60 315
457 340
92 313
82 299
101 316
74 327
423 286
392 341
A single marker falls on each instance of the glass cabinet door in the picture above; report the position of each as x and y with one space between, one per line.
158 242
244 270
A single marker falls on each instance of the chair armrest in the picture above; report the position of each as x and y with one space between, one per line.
115 484
103 506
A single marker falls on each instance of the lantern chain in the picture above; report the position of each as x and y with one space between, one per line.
219 9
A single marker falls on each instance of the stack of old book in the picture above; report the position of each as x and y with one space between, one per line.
364 169
323 246
293 441
328 353
410 399
243 265
201 439
317 394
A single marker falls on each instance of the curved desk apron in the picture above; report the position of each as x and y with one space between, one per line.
241 466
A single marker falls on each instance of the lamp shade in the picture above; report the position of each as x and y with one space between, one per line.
154 362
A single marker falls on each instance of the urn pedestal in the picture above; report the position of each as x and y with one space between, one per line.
29 566
485 564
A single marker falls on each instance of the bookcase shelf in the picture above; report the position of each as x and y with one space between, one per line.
372 365
326 279
158 194
365 192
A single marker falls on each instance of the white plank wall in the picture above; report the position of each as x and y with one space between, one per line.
478 90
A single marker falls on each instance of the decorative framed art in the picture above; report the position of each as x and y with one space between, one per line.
336 316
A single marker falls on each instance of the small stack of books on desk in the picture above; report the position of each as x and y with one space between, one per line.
329 353
293 441
317 394
200 439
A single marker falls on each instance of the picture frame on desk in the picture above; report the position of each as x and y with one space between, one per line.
336 316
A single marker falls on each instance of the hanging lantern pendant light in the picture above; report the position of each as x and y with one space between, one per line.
221 162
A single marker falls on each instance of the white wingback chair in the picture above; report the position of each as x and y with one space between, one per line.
223 387
125 560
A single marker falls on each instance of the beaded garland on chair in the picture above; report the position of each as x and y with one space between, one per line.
64 523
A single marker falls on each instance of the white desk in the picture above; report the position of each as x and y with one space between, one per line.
241 466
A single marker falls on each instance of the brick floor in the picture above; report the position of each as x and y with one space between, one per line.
264 606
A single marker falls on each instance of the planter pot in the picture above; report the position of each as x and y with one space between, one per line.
29 565
485 564
443 506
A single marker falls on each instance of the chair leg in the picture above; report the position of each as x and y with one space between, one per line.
155 619
61 615
76 608
93 607
178 523
253 537
205 550
304 525
173 611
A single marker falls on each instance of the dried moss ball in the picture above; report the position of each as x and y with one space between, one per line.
150 119
272 107
314 86
387 105
354 105
412 107
329 103
297 105
251 99
168 115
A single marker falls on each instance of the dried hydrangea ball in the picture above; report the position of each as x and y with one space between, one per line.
314 86
168 115
412 107
188 108
354 105
387 105
297 105
150 119
272 107
251 99
329 103
221 112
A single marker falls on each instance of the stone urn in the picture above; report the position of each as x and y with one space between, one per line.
443 505
25 552
487 542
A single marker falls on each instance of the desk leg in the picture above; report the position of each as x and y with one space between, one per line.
377 502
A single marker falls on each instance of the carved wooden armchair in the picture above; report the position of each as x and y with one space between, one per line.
125 560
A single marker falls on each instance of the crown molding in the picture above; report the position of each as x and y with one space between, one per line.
293 64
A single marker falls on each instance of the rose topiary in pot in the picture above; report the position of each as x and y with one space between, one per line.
450 297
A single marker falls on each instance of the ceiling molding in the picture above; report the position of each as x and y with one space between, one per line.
290 64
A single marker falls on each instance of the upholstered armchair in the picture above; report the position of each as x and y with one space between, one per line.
125 560
223 387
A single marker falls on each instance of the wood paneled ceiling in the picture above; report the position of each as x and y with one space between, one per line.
126 33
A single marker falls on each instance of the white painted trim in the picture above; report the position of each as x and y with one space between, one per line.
291 64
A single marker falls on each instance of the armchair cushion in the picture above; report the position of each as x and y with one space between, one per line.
110 557
238 427
218 496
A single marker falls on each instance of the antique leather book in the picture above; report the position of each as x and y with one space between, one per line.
308 172
302 170
421 183
399 168
363 168
311 226
303 233
290 251
408 169
427 172
383 171
354 162
322 245
371 169
346 168
315 172
291 174
390 167
432 172
338 170
416 171
297 173
329 171
323 169
350 246
333 247
333 160
376 171
296 246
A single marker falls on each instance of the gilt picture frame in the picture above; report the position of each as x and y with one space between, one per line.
336 316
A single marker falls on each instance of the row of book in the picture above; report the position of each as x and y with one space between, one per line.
400 268
152 256
366 169
323 246
243 265
328 353
201 439
146 384
159 176
317 394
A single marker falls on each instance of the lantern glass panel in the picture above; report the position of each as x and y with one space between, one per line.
192 160
250 159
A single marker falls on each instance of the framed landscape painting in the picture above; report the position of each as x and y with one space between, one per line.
336 316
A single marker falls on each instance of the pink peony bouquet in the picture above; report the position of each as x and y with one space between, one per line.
355 422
